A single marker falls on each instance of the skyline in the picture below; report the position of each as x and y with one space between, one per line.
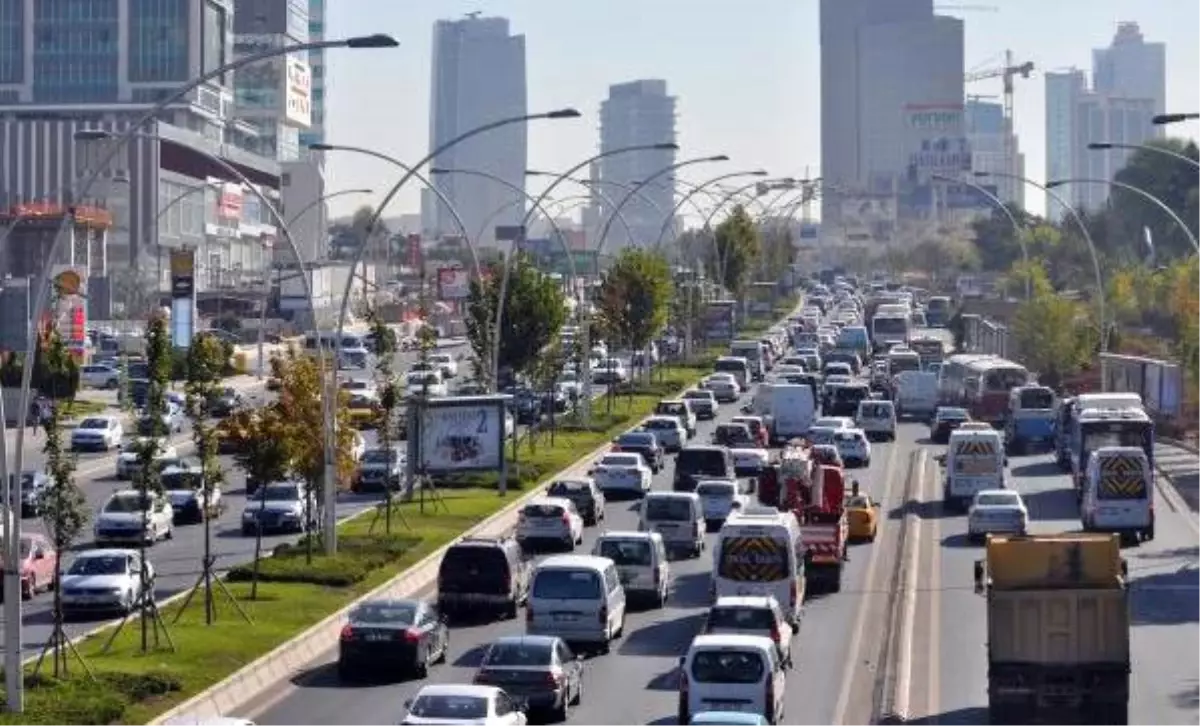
776 76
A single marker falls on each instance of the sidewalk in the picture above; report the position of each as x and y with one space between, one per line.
1182 467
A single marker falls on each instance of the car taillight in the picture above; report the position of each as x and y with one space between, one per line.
615 448
566 519
553 680
412 636
347 633
775 632
603 615
792 591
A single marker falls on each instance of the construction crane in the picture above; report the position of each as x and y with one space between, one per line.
1008 72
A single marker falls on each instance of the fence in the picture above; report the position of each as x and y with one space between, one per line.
981 335
1158 382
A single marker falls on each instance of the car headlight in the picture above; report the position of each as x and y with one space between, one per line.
248 514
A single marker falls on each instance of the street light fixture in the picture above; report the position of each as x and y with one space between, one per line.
1163 119
1105 146
1012 219
594 186
1138 191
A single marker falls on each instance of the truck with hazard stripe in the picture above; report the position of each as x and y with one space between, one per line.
1118 493
815 494
974 461
760 552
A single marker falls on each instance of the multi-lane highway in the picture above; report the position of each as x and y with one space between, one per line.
636 683
176 561
839 658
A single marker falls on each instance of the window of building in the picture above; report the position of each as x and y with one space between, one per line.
213 37
158 40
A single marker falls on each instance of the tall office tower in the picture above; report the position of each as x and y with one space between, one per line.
638 113
1064 89
316 62
986 133
478 77
841 22
1132 68
272 96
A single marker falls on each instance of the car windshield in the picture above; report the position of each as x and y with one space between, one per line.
734 432
661 424
456 708
285 493
566 584
819 435
727 666
568 488
698 395
752 423
859 502
636 440
1037 398
28 482
522 654
626 551
720 489
952 414
701 461
126 503
620 460
543 511
876 410
180 480
672 409
671 509
743 618
93 423
380 456
384 613
105 565
998 499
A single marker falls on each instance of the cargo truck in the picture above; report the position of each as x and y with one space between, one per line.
1058 629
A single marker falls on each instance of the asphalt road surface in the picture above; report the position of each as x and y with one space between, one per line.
636 683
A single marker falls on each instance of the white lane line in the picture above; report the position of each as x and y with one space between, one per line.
910 563
868 593
933 678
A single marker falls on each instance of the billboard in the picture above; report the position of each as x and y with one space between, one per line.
459 434
454 283
761 302
183 296
297 92
719 321
230 202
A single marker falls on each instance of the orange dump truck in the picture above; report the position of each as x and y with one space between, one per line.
1058 629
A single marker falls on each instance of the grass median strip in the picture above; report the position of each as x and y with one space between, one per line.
132 687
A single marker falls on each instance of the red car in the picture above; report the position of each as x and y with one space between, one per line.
37 565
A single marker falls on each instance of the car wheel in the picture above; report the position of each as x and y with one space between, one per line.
421 666
578 698
170 533
444 652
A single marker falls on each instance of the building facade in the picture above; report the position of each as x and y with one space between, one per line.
315 134
273 96
1132 68
478 77
638 113
990 137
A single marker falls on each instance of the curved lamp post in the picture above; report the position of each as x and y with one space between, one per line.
1163 119
508 264
1018 231
703 186
1105 146
595 187
414 173
330 469
706 227
1087 237
524 197
1138 191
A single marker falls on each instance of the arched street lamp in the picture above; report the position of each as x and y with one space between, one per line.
591 187
1138 191
1018 231
1163 119
1152 148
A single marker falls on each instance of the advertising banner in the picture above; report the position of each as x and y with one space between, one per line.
719 322
297 92
460 434
183 296
230 201
454 283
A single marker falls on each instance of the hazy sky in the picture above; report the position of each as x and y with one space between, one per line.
746 73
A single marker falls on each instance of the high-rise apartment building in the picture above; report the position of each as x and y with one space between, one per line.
638 113
991 138
478 77
272 96
316 64
1129 87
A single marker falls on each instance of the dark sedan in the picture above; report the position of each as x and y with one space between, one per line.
945 420
586 496
538 671
392 635
734 436
643 443
224 402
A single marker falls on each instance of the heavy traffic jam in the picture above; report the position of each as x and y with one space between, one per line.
743 502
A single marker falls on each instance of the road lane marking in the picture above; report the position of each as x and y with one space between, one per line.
933 678
868 591
910 562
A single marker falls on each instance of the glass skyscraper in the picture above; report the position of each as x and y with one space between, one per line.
316 61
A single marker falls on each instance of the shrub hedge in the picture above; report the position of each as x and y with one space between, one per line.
82 700
357 557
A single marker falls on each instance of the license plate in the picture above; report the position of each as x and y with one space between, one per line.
376 637
564 617
725 706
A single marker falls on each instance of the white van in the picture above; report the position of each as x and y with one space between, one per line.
729 672
793 410
759 551
578 598
974 461
1118 493
877 419
678 517
738 367
755 354
641 560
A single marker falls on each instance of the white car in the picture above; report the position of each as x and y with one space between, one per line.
622 473
703 402
752 615
446 363
996 510
724 387
877 419
719 498
550 519
277 507
129 518
131 451
105 580
454 703
99 376
97 433
853 447
420 383
569 383
732 672
749 462
609 370
836 423
668 430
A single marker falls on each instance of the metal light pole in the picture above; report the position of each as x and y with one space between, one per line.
1087 237
1105 146
1141 193
585 343
1018 231
720 254
1163 119
595 187
330 451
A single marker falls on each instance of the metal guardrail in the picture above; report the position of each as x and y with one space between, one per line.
981 335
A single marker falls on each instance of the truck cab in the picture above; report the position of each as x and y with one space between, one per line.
1118 493
974 461
1031 418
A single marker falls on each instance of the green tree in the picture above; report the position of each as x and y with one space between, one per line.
390 396
206 360
1047 330
943 257
63 507
778 252
736 250
996 243
1129 214
263 456
534 311
635 297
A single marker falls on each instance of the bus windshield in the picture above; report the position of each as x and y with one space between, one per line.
1004 379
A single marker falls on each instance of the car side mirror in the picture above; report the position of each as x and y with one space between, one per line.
940 459
39 555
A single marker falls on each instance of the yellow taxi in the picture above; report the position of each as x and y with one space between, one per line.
363 410
862 514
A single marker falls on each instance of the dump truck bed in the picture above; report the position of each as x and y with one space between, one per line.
1059 626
